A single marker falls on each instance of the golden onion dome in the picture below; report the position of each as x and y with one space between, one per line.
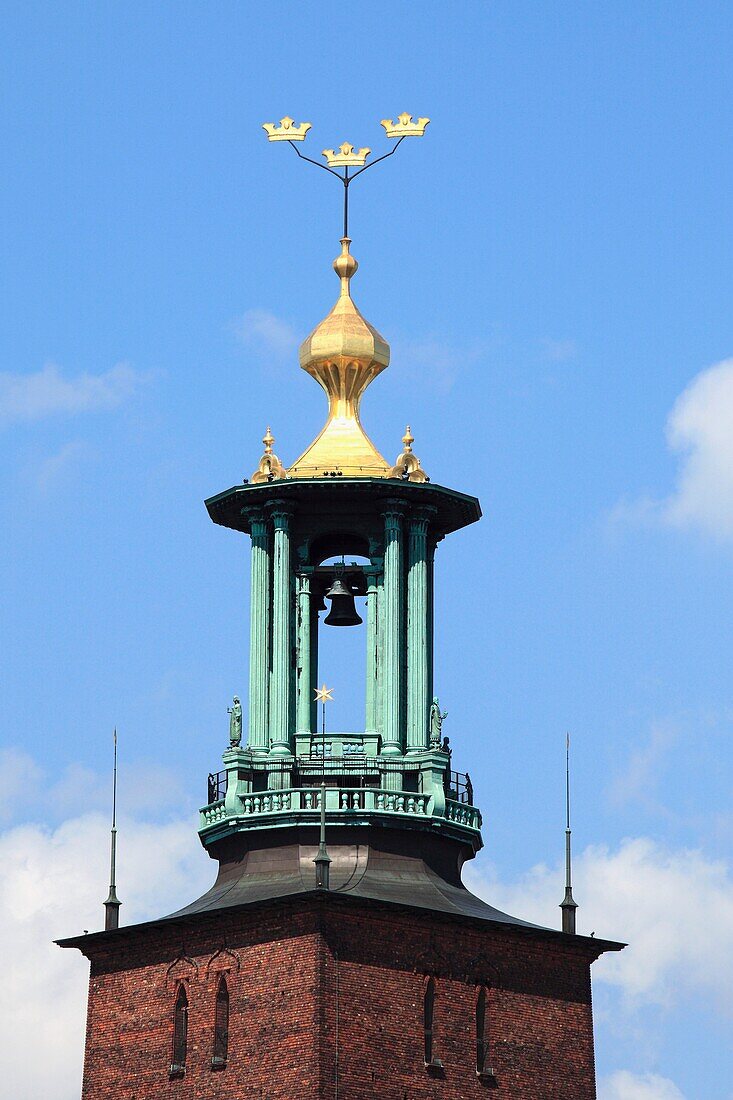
343 353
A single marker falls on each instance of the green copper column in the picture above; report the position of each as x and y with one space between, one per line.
304 672
371 724
258 738
281 635
418 649
432 543
392 659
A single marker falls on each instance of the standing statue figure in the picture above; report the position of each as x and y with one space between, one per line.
235 723
436 723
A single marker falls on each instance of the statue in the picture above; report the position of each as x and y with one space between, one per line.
436 723
235 723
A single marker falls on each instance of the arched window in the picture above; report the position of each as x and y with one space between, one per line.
221 1025
429 1013
180 1033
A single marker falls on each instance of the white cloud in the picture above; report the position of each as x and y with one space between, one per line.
145 787
19 774
639 779
633 1086
55 469
437 362
700 427
700 430
52 884
48 392
650 897
267 334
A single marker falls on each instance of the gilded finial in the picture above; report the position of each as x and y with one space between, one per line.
286 131
404 126
345 266
407 467
346 157
270 467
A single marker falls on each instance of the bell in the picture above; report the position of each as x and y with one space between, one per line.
343 610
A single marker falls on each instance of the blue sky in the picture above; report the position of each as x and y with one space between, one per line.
551 266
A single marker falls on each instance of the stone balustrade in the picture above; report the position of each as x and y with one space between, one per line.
341 802
462 814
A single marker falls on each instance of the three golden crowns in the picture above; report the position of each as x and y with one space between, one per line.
346 156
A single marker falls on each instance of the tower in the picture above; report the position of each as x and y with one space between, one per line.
338 952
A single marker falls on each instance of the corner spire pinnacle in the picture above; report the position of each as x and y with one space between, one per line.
323 860
568 904
112 904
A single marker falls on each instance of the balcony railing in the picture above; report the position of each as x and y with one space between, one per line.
342 803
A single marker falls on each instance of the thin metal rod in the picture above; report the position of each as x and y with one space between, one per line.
346 179
317 162
112 904
113 859
567 811
384 156
114 783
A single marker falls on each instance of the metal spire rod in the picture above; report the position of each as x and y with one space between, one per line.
568 904
346 157
346 179
112 904
322 860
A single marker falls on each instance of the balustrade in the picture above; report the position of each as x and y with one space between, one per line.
342 800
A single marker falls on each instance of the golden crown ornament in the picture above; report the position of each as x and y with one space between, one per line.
286 131
347 157
404 126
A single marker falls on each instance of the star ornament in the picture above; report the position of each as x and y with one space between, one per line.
324 694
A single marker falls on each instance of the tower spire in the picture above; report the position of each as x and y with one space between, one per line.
112 904
568 904
322 860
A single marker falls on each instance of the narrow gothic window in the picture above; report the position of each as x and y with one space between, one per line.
429 1011
221 1025
482 1037
180 1032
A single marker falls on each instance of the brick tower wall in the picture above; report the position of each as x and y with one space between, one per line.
327 1001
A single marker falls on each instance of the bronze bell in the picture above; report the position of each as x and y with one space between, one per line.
343 609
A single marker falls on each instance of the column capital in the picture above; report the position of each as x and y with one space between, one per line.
257 520
419 518
394 513
280 513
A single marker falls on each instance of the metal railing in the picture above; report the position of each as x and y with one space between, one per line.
216 787
458 787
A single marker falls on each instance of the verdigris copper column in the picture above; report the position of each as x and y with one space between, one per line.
304 672
392 663
281 635
418 645
372 660
258 738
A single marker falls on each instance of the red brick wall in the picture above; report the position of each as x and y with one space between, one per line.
332 995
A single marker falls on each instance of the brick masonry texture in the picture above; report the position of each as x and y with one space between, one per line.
327 999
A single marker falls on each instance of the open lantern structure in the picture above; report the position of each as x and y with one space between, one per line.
338 953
